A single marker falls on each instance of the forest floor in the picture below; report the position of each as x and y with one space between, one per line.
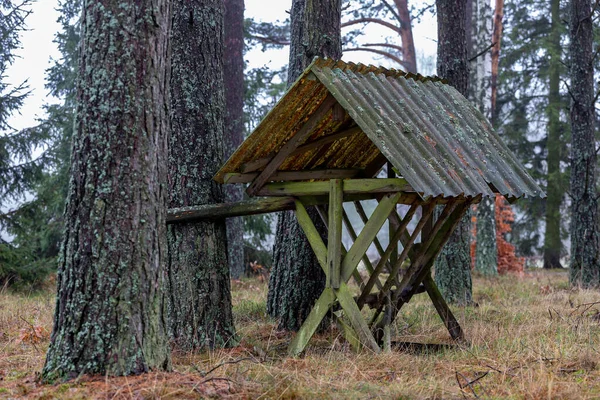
529 337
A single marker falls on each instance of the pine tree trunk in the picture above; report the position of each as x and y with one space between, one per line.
234 126
486 253
297 279
585 247
109 316
198 273
453 265
409 56
552 242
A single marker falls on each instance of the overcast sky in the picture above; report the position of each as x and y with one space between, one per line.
38 49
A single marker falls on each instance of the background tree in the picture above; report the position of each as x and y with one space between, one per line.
37 224
109 316
395 16
296 278
585 244
198 273
554 190
453 266
534 128
480 93
234 127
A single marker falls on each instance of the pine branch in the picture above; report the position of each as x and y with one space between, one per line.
596 97
380 52
391 9
391 46
482 52
372 20
271 40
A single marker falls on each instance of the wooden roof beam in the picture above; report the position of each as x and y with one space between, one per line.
295 175
291 145
257 164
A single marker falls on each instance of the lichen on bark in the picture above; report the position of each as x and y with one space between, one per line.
453 266
199 307
109 317
296 279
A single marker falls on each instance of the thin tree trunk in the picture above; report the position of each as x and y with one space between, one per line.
234 125
198 273
409 56
552 242
297 279
453 265
486 253
109 316
585 246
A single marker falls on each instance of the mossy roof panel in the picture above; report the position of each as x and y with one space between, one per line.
431 134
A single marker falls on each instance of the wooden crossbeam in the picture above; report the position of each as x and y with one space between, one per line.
257 164
294 175
351 186
291 145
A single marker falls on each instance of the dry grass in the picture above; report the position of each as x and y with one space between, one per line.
530 338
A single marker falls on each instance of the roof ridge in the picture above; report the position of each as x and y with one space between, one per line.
364 69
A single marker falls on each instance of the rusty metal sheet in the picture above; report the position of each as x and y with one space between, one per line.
431 134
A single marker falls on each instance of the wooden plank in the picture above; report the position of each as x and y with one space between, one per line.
334 239
373 169
363 216
313 236
349 333
368 233
259 163
365 258
356 319
351 186
227 210
310 325
379 269
291 145
294 175
443 310
355 274
427 254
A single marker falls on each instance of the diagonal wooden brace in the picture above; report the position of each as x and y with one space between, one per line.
348 265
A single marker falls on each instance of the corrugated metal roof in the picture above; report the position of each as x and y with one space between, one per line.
431 134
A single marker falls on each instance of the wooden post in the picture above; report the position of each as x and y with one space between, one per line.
334 239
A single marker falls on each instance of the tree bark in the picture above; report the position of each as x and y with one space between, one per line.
585 245
552 242
109 316
486 252
297 279
409 56
453 266
234 123
198 273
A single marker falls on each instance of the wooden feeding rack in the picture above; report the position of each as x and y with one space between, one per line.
326 142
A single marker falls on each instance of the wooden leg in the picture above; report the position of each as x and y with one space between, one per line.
310 325
442 308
